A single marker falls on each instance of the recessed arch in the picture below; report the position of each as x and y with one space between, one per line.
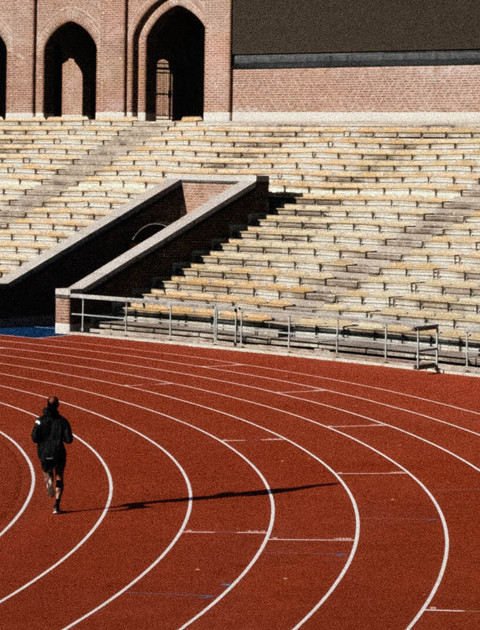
70 70
177 39
146 51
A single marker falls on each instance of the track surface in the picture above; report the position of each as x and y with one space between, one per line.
229 490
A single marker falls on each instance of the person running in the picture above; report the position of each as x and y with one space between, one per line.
50 433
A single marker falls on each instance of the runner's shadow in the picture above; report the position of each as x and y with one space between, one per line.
141 505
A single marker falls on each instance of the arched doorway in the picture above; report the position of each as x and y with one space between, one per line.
175 66
70 72
3 79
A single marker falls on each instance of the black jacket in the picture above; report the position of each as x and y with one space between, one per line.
50 432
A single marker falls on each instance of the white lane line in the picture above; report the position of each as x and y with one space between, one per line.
161 357
139 385
32 476
154 564
337 539
422 486
341 481
387 472
190 494
83 540
275 439
318 424
32 348
307 390
126 363
110 493
260 532
356 426
449 610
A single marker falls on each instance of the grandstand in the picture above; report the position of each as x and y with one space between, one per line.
367 226
369 239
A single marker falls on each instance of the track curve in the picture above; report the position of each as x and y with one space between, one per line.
306 486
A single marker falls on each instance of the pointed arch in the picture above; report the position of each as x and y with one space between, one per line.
173 30
70 68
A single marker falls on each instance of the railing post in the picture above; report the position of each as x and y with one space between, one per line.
337 332
215 324
289 330
418 350
241 326
125 316
170 319
235 310
467 334
82 315
385 351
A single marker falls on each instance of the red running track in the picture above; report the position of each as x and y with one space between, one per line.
231 490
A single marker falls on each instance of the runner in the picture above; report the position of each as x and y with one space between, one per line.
50 432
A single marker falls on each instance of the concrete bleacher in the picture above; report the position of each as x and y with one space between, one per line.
381 226
374 224
44 170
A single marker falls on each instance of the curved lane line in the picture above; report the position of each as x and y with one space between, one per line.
424 488
110 494
181 531
81 542
268 378
32 475
341 481
410 474
190 495
390 426
331 428
266 368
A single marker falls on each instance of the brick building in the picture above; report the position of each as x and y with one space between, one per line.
240 59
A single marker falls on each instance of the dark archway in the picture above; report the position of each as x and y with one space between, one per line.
3 79
70 72
175 58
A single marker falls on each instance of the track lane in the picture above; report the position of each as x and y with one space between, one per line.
176 502
11 471
416 398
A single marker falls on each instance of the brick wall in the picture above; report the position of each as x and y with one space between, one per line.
62 310
384 89
218 76
198 193
17 32
120 30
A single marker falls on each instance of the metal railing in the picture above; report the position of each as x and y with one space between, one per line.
238 326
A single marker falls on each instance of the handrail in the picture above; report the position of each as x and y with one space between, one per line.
291 325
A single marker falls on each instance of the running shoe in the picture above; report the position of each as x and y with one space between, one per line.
50 488
57 510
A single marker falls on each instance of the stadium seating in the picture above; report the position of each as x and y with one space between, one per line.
374 224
